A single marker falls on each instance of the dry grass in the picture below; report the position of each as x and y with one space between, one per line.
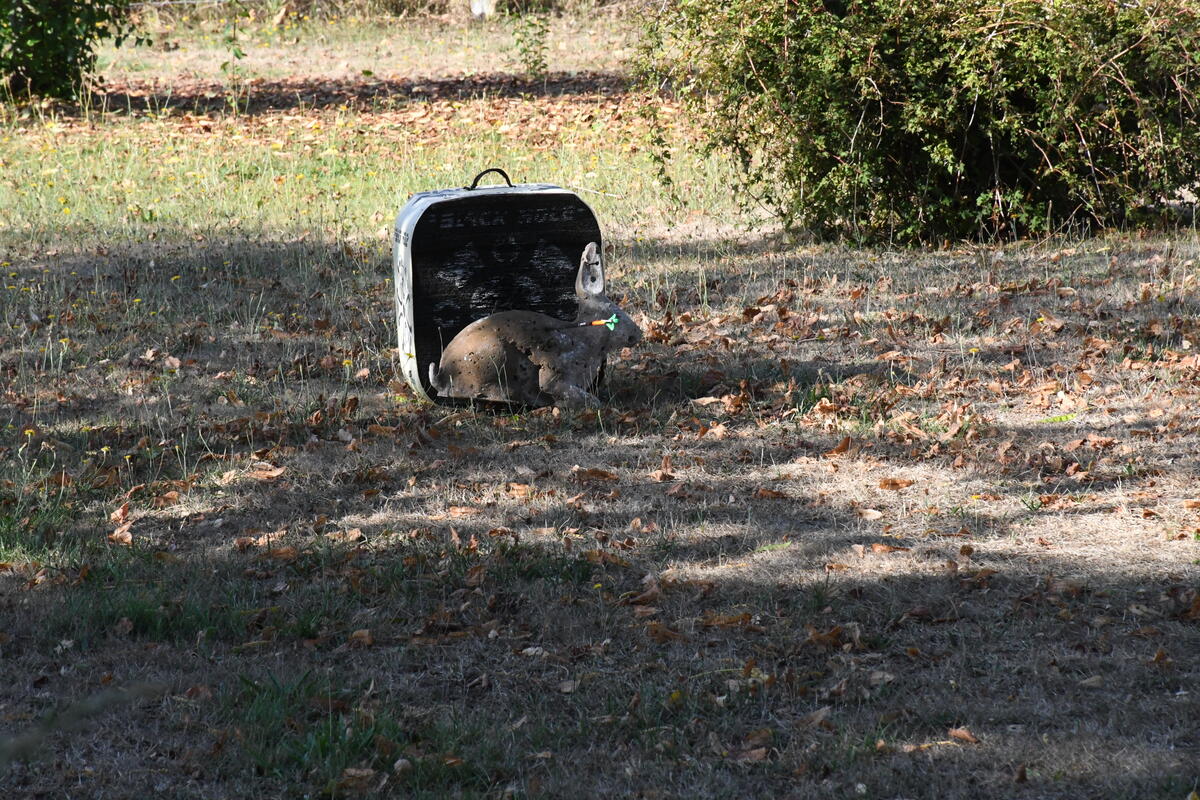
338 49
736 594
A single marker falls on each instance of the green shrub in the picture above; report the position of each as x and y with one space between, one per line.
531 33
880 119
48 47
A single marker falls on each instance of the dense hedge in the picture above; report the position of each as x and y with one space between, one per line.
48 47
922 120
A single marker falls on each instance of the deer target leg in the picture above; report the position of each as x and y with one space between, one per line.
500 372
565 392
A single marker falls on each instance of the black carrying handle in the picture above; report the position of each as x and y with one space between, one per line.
501 172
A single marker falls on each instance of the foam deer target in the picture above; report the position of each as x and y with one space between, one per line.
536 360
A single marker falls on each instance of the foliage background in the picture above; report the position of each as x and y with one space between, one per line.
48 47
888 119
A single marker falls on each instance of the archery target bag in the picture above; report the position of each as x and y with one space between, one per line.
461 254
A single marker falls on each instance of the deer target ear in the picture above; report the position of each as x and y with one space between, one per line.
591 272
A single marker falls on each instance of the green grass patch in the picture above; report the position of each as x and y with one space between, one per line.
307 731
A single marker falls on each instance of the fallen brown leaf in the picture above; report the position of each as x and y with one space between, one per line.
461 512
604 557
121 535
288 553
59 479
639 526
963 735
263 471
662 634
830 638
650 593
712 620
816 719
583 474
166 499
757 754
199 692
840 447
475 575
354 780
758 738
349 537
679 491
120 515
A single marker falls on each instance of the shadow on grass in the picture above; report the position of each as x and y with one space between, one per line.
496 609
260 96
444 657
